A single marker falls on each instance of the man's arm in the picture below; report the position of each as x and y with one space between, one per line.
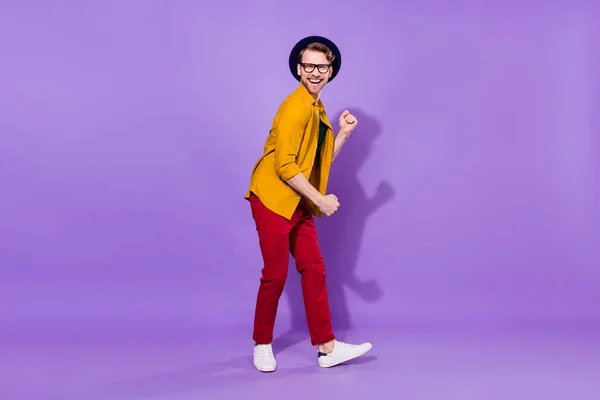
347 124
290 129
302 185
327 204
291 121
340 139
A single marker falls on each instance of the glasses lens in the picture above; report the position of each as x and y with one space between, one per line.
309 67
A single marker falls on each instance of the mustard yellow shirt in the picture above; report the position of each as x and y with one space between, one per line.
290 149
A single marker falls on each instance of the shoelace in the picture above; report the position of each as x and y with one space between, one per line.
266 352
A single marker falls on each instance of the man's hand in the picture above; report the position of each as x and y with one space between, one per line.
328 204
347 122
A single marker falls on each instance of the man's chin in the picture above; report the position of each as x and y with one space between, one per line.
312 88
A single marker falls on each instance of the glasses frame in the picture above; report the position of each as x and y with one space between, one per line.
309 67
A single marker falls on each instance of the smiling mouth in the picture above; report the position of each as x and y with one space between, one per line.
315 81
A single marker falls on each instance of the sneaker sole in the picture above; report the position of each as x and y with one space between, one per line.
265 370
346 359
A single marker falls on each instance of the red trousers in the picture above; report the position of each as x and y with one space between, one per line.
278 237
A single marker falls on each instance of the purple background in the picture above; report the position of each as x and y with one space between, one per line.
469 190
129 261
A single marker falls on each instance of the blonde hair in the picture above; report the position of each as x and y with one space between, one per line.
318 47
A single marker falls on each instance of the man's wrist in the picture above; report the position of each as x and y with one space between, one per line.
316 198
303 187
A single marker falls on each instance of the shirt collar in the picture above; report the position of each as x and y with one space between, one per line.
308 97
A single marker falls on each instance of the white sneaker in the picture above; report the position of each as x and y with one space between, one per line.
342 352
264 360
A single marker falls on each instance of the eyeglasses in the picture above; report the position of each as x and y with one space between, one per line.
322 68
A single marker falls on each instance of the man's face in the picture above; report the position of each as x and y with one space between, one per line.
315 80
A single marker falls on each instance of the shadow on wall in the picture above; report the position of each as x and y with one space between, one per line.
341 235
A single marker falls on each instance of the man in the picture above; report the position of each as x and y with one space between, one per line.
287 188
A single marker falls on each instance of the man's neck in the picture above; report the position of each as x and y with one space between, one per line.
317 96
314 96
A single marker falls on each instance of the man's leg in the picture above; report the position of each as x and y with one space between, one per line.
309 262
273 233
305 249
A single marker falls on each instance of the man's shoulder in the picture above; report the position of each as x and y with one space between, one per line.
294 103
296 96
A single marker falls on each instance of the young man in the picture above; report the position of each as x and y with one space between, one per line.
287 187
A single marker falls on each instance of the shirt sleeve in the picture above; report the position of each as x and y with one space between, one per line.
292 122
